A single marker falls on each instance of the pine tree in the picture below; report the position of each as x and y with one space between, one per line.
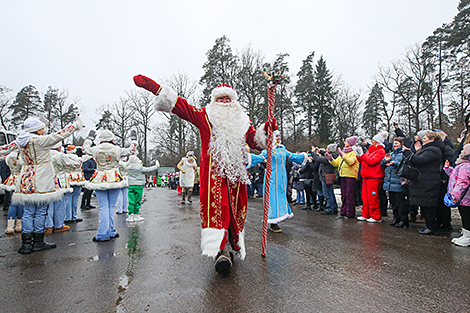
304 92
323 94
27 103
220 68
58 112
372 112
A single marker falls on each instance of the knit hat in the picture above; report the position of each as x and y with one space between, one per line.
352 140
106 136
465 151
71 148
32 124
380 137
332 147
421 133
224 90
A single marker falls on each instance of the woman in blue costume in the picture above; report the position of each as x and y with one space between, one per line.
279 208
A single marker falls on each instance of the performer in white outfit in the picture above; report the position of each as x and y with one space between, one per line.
187 166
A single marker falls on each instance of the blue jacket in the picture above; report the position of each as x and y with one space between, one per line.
392 182
89 167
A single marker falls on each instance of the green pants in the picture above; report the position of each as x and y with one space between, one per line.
135 199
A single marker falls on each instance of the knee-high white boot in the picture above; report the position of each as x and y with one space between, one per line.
464 240
10 226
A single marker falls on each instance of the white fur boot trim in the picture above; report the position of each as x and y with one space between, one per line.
241 244
211 239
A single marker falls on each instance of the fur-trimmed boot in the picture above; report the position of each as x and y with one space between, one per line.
224 261
27 245
10 226
18 226
464 240
39 244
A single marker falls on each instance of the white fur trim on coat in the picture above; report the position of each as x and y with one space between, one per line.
166 99
44 198
280 219
261 137
211 239
241 244
106 186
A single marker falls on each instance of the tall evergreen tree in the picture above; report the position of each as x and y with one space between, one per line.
27 103
220 68
323 94
304 92
372 116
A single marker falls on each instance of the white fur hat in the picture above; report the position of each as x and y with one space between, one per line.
224 90
32 124
106 136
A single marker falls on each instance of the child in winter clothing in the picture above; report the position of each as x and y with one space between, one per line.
136 174
15 211
459 180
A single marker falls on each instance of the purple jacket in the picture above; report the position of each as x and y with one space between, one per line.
459 179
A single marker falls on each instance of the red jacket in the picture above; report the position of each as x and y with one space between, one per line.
370 162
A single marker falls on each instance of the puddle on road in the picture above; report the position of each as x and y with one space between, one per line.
103 256
134 253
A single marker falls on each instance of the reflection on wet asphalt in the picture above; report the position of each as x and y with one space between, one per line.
317 264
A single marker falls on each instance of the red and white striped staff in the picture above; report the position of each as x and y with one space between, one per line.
273 80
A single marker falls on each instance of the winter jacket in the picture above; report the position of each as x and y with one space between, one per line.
107 156
392 182
89 167
426 190
348 165
36 181
324 167
459 180
137 173
14 163
370 162
74 171
297 184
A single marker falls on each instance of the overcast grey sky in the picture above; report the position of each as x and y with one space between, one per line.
94 48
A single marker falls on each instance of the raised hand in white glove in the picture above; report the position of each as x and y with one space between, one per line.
358 150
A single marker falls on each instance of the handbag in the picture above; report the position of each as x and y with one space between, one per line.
330 179
407 171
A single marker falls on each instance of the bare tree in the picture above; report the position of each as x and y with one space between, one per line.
410 83
142 103
5 106
346 106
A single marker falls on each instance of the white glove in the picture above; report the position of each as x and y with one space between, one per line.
157 163
358 150
78 124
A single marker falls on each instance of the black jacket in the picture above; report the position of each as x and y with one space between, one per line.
425 191
89 167
325 166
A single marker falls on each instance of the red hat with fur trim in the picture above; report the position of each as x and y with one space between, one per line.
224 90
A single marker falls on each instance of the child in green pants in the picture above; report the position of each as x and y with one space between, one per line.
136 179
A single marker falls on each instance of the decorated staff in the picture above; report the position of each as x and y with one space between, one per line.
273 80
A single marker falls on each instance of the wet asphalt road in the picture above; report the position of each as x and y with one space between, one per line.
317 264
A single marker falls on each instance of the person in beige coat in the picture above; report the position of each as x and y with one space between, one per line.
36 187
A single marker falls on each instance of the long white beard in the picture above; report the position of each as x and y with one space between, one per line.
228 141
